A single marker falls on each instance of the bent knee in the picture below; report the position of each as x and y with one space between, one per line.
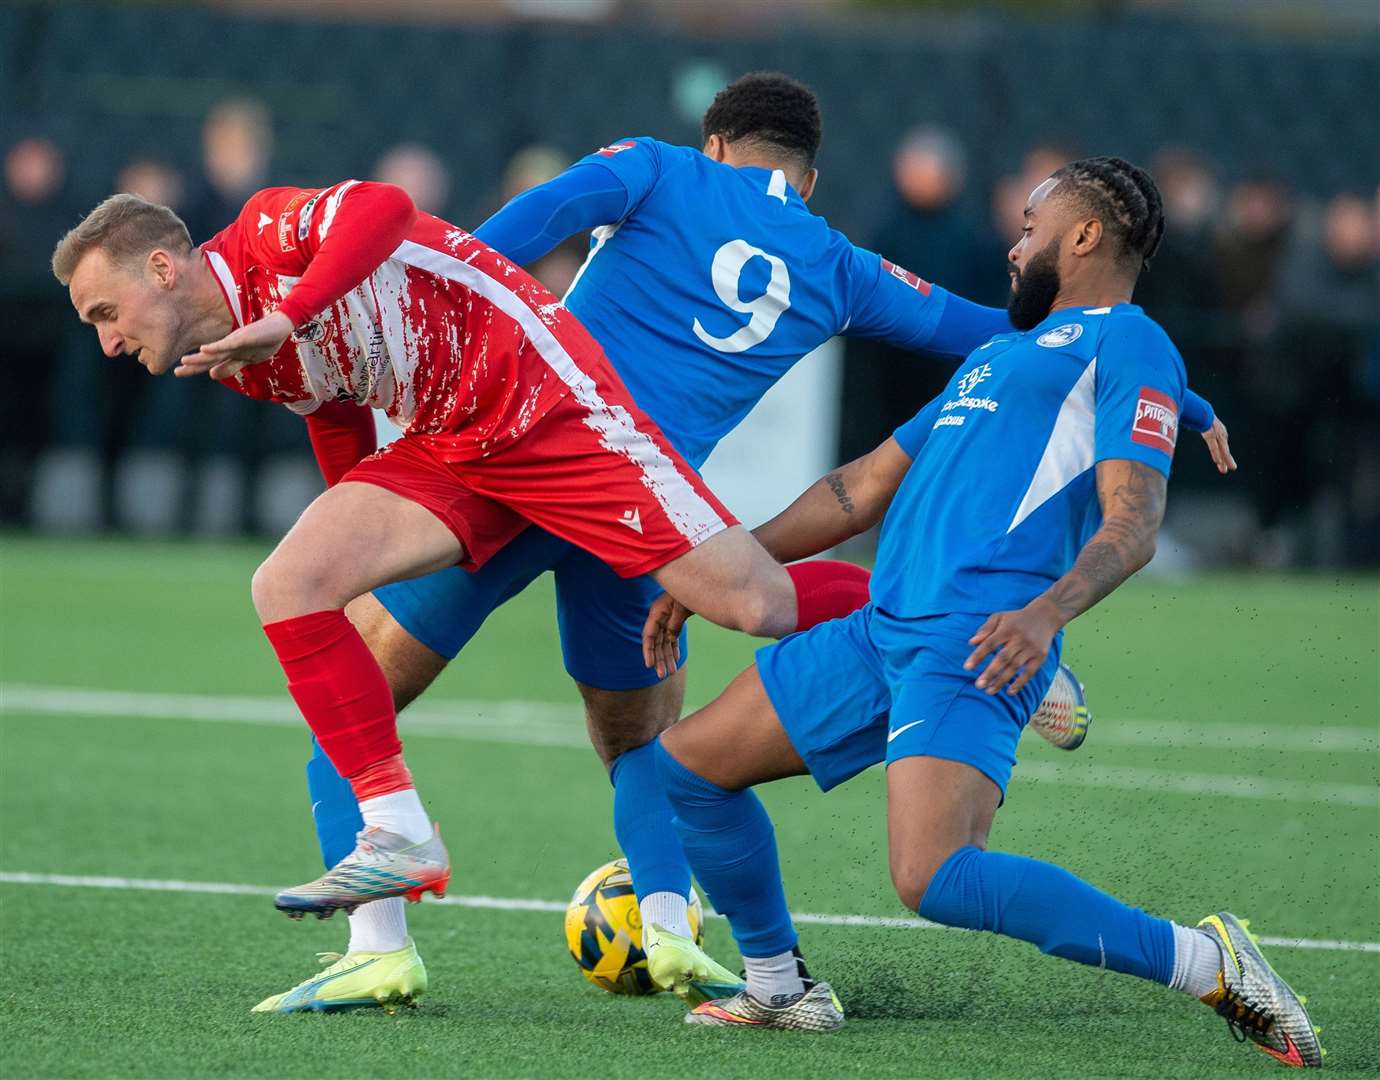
912 872
284 586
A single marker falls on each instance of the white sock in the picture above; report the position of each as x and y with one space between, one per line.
1197 961
774 980
668 910
399 812
379 926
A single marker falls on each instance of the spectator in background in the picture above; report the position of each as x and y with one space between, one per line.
1178 291
48 465
1247 249
1310 385
931 230
236 151
530 166
420 172
201 458
155 180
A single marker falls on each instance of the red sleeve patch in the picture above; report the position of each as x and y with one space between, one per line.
915 281
1157 421
615 148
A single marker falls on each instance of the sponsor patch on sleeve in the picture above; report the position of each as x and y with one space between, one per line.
1157 421
286 243
915 281
614 148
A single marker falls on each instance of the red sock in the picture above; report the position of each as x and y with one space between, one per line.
827 589
343 694
381 778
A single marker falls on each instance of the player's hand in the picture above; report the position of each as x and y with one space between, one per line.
1017 641
1216 439
661 634
250 344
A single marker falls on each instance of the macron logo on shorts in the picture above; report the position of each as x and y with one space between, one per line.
632 519
1157 421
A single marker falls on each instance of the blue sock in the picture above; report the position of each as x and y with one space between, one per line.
731 845
642 823
1049 907
333 807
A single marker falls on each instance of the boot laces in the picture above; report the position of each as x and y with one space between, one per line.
1244 1019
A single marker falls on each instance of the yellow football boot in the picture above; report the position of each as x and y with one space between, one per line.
677 964
356 980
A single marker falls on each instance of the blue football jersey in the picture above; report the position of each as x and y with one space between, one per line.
716 279
1001 494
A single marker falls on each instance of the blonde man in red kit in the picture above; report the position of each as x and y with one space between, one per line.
338 300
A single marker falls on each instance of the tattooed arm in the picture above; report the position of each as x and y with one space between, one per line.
1132 498
843 503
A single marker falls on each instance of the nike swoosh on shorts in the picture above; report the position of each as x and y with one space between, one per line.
891 735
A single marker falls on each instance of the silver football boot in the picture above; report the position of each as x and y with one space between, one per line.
382 864
1256 1003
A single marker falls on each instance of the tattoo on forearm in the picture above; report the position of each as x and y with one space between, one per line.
1132 508
840 490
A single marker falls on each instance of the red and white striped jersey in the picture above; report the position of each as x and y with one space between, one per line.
443 334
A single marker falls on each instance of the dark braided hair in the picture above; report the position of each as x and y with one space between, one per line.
768 107
1126 199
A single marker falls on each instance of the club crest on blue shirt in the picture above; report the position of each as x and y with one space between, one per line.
1060 335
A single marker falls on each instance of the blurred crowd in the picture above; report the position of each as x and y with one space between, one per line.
94 443
1273 298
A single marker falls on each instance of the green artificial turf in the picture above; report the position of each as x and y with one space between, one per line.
133 983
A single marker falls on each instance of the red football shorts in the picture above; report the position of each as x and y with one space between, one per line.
594 470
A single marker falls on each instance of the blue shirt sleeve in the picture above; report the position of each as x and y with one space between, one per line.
892 304
1198 414
1138 395
599 189
913 433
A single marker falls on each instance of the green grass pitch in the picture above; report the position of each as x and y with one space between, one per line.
1268 686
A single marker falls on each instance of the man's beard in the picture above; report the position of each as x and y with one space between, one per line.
1035 288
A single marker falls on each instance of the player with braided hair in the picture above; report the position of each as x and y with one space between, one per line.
1125 199
1023 495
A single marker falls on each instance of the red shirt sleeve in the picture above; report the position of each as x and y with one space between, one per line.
342 435
333 238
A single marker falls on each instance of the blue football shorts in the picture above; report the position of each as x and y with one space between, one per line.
871 687
600 615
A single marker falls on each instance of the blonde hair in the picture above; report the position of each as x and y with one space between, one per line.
126 228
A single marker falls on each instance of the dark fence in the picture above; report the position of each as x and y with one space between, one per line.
1295 118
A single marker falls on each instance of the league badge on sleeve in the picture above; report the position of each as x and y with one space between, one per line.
915 281
1157 421
615 148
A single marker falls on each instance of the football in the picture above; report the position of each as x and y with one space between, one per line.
603 930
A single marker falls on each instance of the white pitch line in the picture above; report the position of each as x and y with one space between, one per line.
548 724
499 903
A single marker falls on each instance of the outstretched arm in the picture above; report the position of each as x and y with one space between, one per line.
1132 497
840 504
1198 416
889 303
583 197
